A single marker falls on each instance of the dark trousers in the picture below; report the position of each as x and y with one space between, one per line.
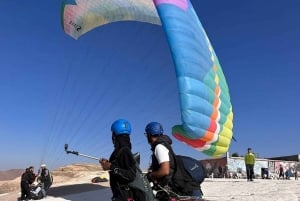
197 193
25 190
250 171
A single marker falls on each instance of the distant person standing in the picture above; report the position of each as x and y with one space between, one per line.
288 173
44 177
281 172
250 162
27 179
25 186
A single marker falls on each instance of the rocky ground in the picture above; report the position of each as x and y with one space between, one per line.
73 183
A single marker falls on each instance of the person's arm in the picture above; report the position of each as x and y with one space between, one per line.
123 166
163 170
162 155
32 177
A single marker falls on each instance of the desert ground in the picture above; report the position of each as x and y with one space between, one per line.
73 183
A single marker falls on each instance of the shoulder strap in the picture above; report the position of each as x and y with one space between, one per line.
120 151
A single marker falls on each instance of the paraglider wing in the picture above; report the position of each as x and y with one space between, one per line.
81 16
206 110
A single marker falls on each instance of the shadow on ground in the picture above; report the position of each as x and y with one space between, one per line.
68 190
61 191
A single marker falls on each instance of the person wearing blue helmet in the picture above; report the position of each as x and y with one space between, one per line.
164 162
162 165
121 164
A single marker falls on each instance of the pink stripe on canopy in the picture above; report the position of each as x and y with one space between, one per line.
179 3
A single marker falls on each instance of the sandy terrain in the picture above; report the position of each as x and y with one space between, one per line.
74 184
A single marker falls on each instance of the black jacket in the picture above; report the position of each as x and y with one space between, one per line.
167 142
122 170
28 177
178 179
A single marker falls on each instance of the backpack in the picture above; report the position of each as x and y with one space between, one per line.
140 186
188 173
193 167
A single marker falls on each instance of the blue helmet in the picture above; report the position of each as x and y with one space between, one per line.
154 128
121 126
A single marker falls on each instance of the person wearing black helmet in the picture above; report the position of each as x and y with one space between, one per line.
121 164
162 160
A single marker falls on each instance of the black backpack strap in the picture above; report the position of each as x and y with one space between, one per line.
121 150
172 156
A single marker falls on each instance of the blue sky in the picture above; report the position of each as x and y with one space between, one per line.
56 90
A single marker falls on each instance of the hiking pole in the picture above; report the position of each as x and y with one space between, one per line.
79 154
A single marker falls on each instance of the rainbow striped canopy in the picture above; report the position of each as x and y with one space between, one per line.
206 110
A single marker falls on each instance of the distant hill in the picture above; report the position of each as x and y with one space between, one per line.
74 173
10 174
14 173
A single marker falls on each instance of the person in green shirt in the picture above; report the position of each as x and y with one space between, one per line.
250 162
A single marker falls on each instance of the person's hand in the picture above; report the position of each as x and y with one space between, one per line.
103 160
105 163
148 176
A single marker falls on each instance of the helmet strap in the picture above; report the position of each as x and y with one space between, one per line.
149 138
113 137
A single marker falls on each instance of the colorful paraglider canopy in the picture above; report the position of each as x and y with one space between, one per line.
206 110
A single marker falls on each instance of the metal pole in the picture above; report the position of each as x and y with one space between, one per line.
79 154
87 156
